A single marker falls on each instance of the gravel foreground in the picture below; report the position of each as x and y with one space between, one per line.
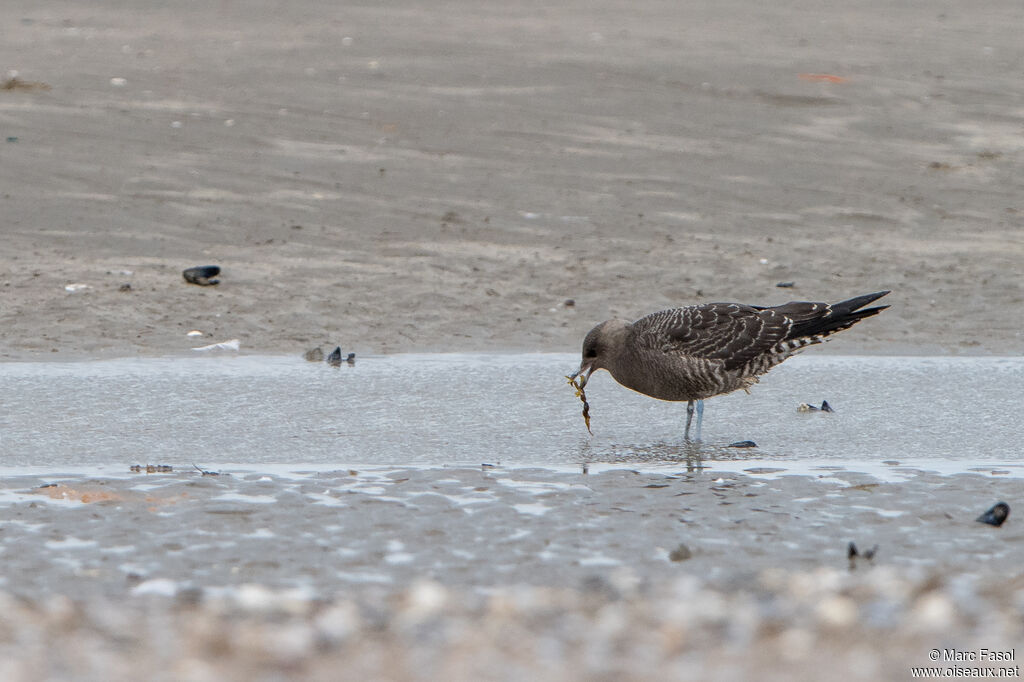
491 574
874 625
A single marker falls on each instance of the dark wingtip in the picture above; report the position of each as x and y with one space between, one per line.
858 302
868 312
839 316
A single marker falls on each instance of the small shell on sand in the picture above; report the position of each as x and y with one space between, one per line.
203 275
233 344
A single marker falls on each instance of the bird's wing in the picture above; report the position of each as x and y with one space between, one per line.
820 320
730 333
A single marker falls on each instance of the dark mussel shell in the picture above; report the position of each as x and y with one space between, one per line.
996 515
202 275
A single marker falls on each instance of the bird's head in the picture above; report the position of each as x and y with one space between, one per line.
600 348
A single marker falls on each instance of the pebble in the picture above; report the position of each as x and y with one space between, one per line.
203 275
837 611
996 515
424 600
680 553
335 359
161 587
932 612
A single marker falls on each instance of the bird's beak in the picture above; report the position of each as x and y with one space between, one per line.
584 372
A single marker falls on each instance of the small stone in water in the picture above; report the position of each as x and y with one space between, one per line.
680 553
996 515
205 472
151 468
852 554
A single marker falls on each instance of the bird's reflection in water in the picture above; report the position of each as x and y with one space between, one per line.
695 455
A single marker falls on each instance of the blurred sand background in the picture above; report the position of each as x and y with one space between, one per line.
442 176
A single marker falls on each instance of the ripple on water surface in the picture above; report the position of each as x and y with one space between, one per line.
428 410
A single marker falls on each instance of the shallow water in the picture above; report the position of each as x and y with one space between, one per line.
942 413
354 485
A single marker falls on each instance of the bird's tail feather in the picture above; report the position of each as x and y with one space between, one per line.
817 321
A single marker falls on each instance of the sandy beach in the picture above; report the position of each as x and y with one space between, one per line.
499 177
401 179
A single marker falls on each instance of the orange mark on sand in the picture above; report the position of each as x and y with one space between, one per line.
64 492
821 77
159 501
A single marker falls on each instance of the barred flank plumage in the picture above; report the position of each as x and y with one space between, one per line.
705 350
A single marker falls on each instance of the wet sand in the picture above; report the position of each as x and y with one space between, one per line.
494 573
391 178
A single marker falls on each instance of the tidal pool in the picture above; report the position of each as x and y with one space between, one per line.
948 414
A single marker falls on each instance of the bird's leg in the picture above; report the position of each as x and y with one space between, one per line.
700 416
689 418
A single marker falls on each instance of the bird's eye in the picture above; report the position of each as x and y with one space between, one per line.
590 353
